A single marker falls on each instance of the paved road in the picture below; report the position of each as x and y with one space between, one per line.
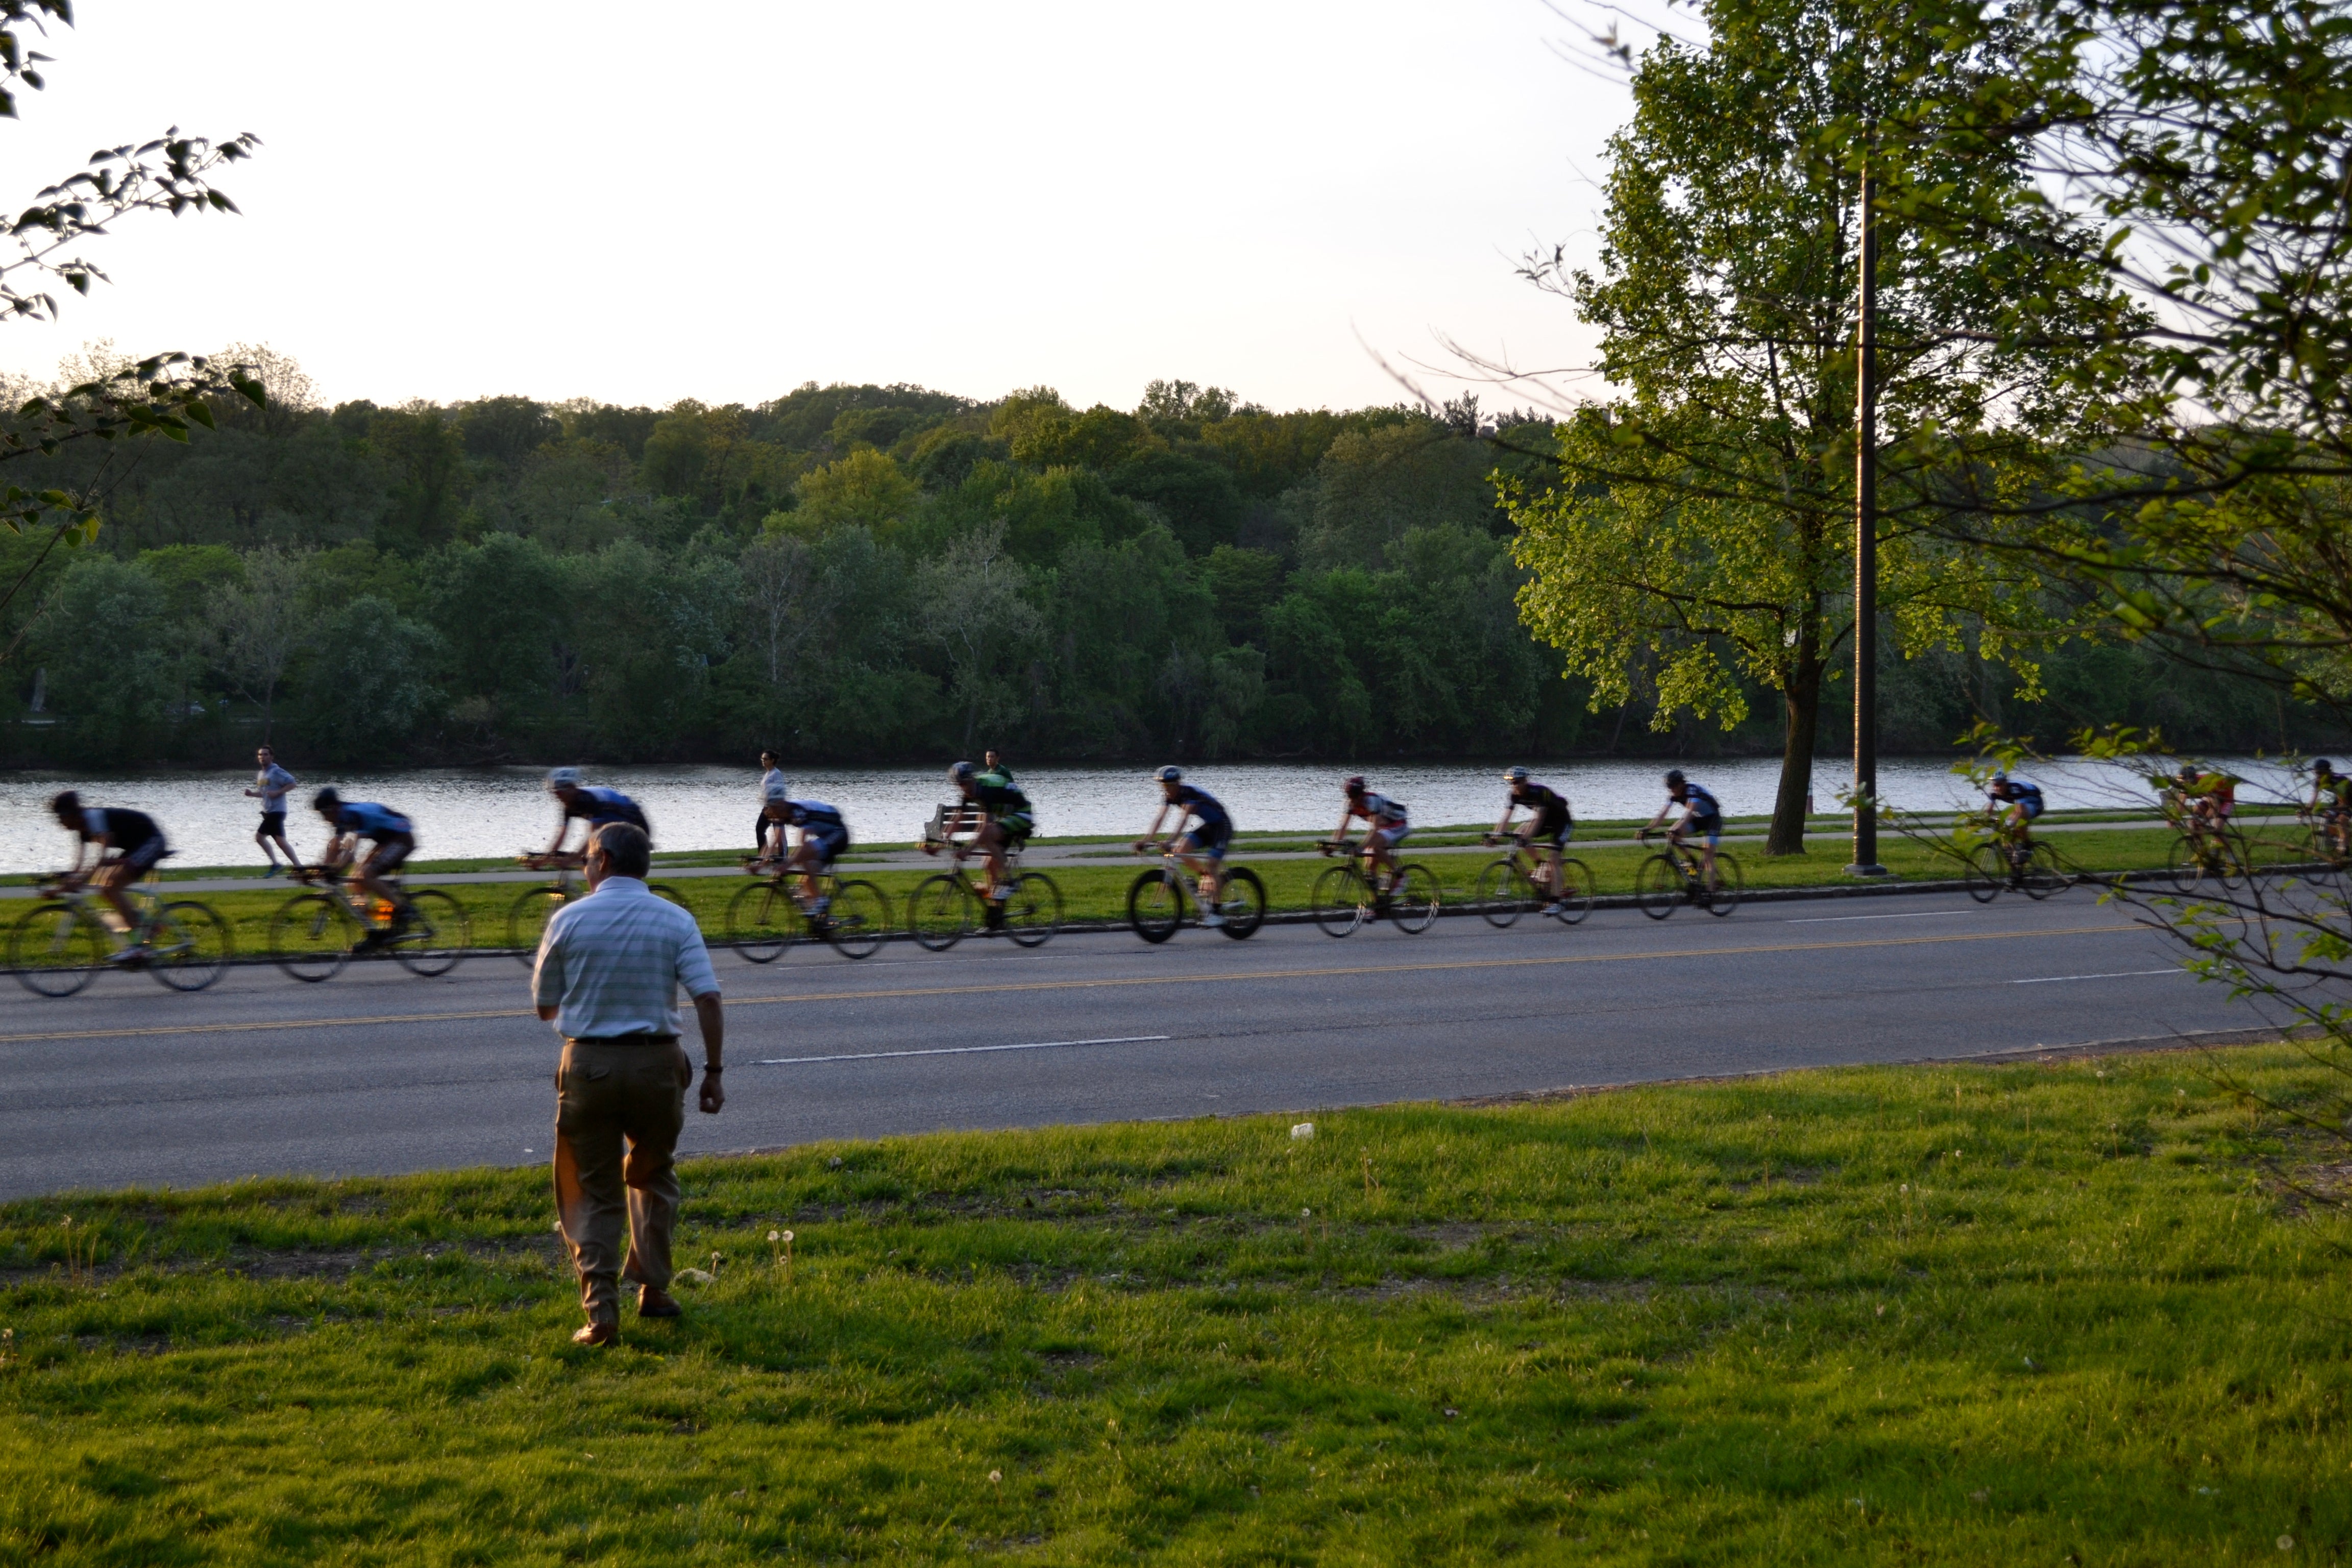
377 1071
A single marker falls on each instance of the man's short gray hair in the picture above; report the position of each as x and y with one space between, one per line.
628 852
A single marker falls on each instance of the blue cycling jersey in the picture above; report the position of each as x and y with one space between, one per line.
2023 791
1202 805
1701 802
603 806
816 815
371 820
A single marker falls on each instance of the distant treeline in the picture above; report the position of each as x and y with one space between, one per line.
878 572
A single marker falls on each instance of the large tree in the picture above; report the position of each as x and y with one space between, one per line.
161 394
1700 538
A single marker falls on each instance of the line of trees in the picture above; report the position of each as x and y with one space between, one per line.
875 572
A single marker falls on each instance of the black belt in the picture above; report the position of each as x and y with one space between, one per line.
623 1040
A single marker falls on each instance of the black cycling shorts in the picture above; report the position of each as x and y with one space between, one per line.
1210 840
390 851
828 842
142 855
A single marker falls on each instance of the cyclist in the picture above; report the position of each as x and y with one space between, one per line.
2207 797
392 838
2021 796
1202 850
1549 820
1701 816
2331 800
269 787
130 845
1002 820
824 834
1386 824
596 806
771 785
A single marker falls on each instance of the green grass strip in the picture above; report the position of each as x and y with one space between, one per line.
1990 1314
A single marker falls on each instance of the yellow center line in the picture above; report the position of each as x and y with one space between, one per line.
1018 986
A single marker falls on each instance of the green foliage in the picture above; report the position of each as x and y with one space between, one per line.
366 681
114 667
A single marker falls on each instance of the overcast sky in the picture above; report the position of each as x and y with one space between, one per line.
722 201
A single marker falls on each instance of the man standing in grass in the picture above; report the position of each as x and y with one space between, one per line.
608 977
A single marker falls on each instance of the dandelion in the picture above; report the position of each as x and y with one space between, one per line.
2287 1543
1306 1214
995 1477
1302 1130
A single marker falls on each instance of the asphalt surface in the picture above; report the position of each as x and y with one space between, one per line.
376 1072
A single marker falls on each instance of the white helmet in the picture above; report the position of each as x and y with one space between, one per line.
563 778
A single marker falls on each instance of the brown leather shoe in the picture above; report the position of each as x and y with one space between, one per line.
652 1301
597 1334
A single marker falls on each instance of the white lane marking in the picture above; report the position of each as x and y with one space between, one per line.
955 1050
2111 975
1832 919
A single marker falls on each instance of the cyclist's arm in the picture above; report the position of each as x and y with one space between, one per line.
1663 812
562 829
1346 818
1503 822
1152 832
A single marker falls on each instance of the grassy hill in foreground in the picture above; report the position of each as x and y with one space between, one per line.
2032 1312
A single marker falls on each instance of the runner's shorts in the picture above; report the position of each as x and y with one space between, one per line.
273 825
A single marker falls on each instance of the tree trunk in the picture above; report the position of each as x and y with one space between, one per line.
1801 702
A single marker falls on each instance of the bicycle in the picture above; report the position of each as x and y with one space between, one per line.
2203 851
945 909
769 916
1155 904
57 947
526 917
314 934
2328 835
1345 900
2020 862
1673 877
1517 884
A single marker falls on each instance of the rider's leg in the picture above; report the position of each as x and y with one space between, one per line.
112 882
990 840
1204 870
805 861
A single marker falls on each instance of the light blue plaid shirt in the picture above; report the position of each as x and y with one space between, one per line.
611 963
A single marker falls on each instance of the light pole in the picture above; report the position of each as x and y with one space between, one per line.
1865 549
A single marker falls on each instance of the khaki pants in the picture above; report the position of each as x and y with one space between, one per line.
605 1094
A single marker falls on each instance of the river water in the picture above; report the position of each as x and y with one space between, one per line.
466 813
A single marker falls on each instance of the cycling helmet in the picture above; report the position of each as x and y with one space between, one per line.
963 772
563 778
1999 777
1355 784
1514 776
1673 777
1169 775
2322 765
325 800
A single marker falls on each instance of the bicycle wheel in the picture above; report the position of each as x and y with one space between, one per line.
1724 897
1155 906
1342 901
858 919
1576 887
761 922
1504 893
2185 864
1034 913
527 920
664 891
2042 876
1984 872
1240 898
311 936
189 944
436 935
941 912
1413 898
1658 887
54 952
